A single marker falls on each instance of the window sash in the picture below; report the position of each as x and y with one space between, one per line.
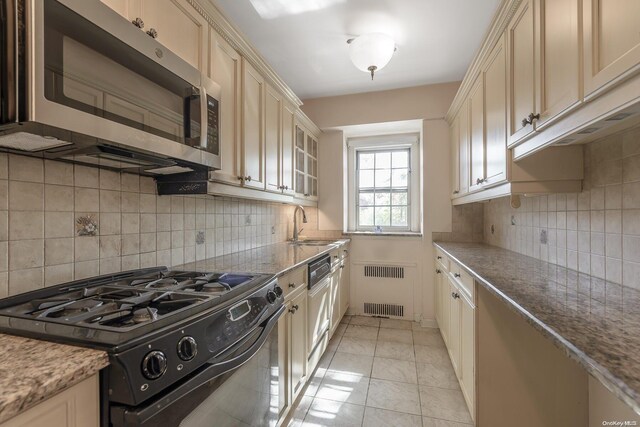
385 189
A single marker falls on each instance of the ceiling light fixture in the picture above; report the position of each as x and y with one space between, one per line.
371 52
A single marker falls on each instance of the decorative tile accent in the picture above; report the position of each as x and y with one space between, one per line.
86 226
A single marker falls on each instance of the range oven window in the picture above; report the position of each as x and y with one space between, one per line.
88 69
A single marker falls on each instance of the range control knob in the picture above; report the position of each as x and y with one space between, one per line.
154 365
278 291
271 297
187 348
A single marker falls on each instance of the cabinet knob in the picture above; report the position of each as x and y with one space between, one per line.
456 274
293 309
138 23
438 271
342 266
530 118
152 33
292 285
456 192
306 194
247 178
480 180
439 257
455 295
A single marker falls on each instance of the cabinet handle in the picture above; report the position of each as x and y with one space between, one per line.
292 285
438 271
342 266
247 178
456 192
456 274
152 33
138 23
530 118
480 180
240 178
439 257
306 194
455 295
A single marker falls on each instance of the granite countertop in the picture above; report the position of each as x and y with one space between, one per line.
34 370
595 322
276 259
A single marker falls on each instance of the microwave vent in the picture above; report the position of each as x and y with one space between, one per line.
169 170
565 141
588 130
29 142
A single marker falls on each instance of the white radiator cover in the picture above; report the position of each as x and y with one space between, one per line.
384 289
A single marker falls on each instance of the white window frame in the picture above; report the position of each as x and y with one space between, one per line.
409 141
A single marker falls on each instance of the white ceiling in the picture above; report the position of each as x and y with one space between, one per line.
305 40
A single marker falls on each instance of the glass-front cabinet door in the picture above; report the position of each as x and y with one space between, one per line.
306 168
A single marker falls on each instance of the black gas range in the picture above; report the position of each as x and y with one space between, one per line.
176 340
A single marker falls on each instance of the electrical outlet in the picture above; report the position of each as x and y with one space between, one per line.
273 229
247 220
543 237
493 229
513 220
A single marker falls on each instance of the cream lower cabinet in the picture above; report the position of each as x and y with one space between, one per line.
76 406
455 315
292 331
345 283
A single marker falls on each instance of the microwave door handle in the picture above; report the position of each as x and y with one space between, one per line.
204 118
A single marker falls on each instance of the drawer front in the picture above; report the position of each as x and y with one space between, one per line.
463 280
443 260
293 280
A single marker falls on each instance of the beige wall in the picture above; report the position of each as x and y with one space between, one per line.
596 231
40 201
429 103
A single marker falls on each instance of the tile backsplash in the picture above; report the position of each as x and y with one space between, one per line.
43 240
466 224
596 231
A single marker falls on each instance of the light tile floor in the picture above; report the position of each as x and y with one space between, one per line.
382 373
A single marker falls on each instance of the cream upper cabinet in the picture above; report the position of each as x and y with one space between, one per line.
463 148
476 134
225 67
273 136
495 112
288 141
521 81
179 27
454 131
611 42
253 106
123 7
174 23
306 163
557 58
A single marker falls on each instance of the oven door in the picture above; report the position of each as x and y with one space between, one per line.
240 387
92 72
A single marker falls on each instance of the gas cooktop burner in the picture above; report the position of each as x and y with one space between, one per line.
127 301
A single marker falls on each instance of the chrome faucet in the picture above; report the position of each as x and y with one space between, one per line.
296 232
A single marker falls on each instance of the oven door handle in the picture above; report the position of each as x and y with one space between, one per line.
140 416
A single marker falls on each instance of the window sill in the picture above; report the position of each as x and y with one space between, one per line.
386 233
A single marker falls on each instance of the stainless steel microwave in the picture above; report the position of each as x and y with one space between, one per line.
79 82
